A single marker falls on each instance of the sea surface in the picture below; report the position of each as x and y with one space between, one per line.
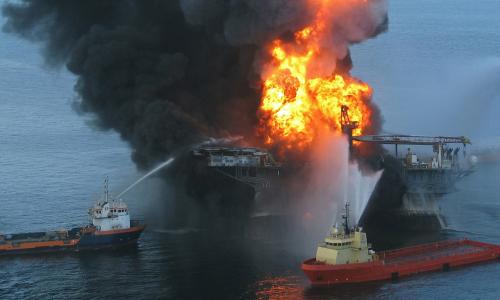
53 162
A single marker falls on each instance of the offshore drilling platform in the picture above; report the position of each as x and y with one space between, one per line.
407 195
409 191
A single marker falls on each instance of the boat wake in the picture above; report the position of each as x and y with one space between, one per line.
180 231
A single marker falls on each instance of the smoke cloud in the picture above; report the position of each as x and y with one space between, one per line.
165 74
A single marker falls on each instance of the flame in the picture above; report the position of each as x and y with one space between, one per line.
298 101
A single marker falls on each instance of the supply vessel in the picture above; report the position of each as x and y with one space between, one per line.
346 257
110 227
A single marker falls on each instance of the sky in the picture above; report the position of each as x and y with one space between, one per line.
436 71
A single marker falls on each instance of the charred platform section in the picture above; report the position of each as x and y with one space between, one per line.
224 182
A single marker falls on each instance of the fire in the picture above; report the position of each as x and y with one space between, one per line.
298 100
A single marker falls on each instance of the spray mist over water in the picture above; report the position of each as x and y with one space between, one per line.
156 169
359 188
335 180
330 180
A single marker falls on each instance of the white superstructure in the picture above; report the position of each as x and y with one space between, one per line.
341 247
109 213
344 245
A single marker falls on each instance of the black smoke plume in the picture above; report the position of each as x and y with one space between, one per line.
168 73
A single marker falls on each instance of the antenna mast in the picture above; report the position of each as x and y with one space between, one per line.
106 189
346 218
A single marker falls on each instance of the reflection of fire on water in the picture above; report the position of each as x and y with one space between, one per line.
283 287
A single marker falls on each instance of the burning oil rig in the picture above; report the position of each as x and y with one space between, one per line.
407 195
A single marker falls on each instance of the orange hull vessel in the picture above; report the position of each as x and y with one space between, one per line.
402 262
110 227
76 239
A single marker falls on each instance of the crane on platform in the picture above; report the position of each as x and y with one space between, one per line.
411 139
347 125
438 142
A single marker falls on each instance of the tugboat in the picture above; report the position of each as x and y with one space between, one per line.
110 227
346 257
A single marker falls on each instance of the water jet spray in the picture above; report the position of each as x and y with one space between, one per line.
158 168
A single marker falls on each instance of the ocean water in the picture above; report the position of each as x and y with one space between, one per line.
52 164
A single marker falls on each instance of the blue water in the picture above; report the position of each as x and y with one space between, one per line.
52 163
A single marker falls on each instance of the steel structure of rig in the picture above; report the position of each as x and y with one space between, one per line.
443 159
425 181
254 166
251 166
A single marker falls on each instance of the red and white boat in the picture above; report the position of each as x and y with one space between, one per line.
346 257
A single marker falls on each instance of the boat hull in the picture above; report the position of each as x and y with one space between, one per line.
77 239
403 262
109 239
37 247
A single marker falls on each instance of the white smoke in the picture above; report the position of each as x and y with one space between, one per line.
358 189
333 181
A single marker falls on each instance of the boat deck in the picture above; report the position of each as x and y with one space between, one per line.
433 251
43 236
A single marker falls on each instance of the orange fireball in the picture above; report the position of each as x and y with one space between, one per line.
298 102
